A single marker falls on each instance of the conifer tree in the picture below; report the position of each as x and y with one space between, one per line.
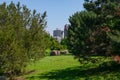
102 35
22 37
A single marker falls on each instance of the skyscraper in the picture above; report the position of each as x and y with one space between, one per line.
58 34
66 27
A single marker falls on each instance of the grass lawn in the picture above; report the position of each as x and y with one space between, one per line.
67 68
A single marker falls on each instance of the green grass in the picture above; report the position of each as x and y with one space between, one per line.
68 68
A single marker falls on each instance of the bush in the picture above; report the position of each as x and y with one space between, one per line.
47 52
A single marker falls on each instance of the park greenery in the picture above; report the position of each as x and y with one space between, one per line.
22 37
93 36
95 31
65 67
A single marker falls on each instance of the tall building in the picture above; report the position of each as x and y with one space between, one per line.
58 34
66 27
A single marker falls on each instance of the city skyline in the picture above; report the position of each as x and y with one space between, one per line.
58 12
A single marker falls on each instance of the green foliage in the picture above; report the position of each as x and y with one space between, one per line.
22 37
115 42
80 33
54 44
95 30
47 52
64 43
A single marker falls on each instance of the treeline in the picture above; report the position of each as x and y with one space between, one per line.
96 30
22 37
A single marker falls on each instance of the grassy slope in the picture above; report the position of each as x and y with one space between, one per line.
67 68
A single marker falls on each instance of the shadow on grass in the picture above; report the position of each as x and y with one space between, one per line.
76 73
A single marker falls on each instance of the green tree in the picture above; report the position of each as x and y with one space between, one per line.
64 43
96 33
108 21
55 45
22 37
80 34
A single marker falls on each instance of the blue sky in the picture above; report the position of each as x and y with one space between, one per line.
58 11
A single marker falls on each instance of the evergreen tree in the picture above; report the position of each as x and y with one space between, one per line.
22 37
108 21
96 33
80 34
